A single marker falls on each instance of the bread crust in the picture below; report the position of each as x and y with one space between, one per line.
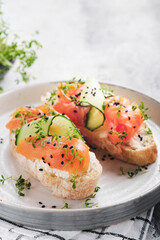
61 187
141 157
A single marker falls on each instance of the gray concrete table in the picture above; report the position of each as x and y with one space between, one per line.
113 41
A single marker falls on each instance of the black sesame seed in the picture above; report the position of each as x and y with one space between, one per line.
103 159
116 103
43 206
83 96
30 135
87 87
54 144
75 111
94 148
126 111
134 126
62 155
41 169
43 158
49 164
65 146
119 110
145 167
141 138
40 203
112 158
71 147
48 142
53 206
86 92
59 136
109 155
63 114
28 125
77 95
62 162
44 161
104 155
58 96
129 118
39 114
28 106
51 156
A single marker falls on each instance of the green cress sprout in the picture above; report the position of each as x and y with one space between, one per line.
132 173
20 183
10 51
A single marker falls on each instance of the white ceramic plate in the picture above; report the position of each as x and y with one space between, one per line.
119 197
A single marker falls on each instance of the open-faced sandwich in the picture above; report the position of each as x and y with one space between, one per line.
106 121
50 147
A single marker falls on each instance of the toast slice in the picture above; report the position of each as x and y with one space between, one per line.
85 104
59 182
141 150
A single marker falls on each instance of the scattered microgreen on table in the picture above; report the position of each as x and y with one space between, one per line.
20 183
132 173
97 189
65 205
89 204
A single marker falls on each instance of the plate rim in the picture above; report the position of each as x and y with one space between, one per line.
54 82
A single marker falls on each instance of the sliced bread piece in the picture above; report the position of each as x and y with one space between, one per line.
59 182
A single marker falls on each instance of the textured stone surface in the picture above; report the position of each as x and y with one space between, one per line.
114 41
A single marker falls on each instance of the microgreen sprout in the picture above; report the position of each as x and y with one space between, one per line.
65 205
132 173
24 52
20 183
97 188
148 131
89 204
143 111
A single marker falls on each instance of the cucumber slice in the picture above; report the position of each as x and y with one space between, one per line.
58 125
63 126
95 119
92 94
29 129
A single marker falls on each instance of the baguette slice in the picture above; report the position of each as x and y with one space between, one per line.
141 150
61 186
